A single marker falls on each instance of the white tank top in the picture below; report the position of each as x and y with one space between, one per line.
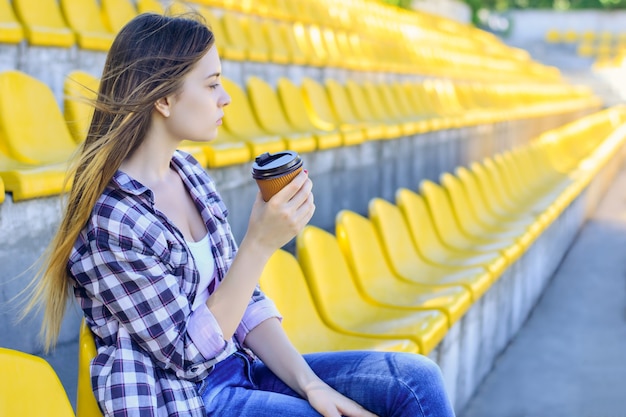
203 257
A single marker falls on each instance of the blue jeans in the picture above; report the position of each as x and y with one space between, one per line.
387 384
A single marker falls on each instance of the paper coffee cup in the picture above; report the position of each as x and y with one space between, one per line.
273 171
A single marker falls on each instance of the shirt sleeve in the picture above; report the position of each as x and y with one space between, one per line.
259 309
138 288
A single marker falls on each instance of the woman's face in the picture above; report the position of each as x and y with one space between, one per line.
197 109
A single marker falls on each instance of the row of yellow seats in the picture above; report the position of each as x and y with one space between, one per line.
315 116
36 143
391 282
65 23
365 46
571 36
403 30
403 276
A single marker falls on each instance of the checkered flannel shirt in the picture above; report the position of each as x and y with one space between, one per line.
136 280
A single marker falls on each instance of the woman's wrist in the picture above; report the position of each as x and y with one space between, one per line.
256 248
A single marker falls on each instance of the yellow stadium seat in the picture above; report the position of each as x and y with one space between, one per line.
350 49
297 55
301 36
331 47
482 210
406 261
279 50
30 387
407 109
239 120
429 244
25 181
2 191
85 19
44 23
226 150
283 281
367 110
422 107
450 232
116 13
86 404
292 103
553 36
497 202
32 127
178 7
343 308
150 6
235 31
472 225
79 87
377 281
385 95
10 28
226 49
570 36
272 119
346 113
258 44
321 113
538 201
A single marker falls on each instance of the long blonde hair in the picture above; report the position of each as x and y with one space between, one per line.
147 61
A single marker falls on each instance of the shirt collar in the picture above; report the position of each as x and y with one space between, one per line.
128 184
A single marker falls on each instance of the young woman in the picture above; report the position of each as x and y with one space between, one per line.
181 326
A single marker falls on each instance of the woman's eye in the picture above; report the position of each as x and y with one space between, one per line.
213 86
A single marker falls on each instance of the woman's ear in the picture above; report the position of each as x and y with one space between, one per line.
162 105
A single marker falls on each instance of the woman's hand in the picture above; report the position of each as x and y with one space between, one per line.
274 223
330 403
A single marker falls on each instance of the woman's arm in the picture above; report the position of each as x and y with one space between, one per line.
271 226
270 343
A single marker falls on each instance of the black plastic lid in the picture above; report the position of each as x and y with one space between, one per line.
268 165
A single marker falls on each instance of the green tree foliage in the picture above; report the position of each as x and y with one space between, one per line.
549 4
400 3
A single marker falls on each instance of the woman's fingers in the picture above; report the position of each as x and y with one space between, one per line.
290 190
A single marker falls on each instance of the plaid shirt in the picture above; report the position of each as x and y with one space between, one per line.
136 280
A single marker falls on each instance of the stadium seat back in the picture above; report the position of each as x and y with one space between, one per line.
11 30
292 103
283 281
328 276
86 404
279 51
79 87
266 107
346 107
116 13
361 248
297 55
30 387
44 22
32 127
239 118
150 6
424 235
318 105
83 15
440 209
259 47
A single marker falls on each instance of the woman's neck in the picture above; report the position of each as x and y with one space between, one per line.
150 162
